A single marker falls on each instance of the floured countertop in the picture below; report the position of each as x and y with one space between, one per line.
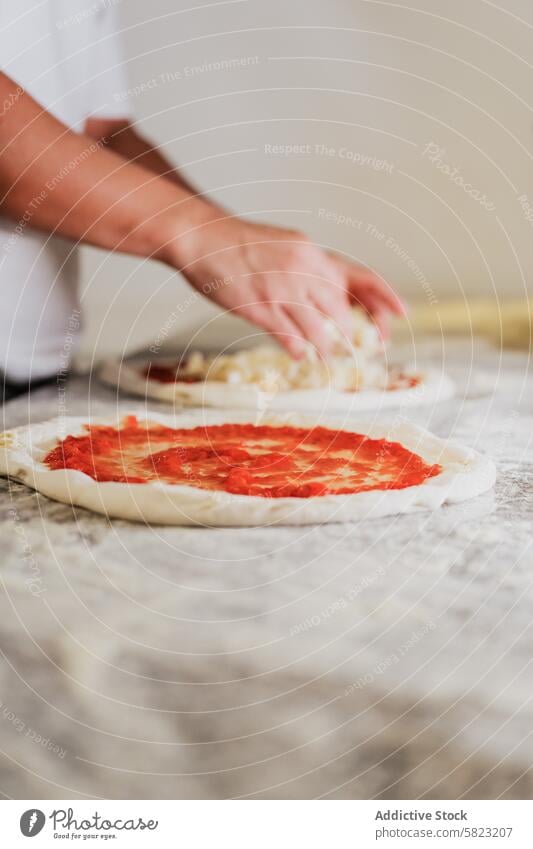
386 658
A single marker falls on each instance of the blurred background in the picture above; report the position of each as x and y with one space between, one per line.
400 135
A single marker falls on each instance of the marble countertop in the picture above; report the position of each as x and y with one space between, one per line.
388 658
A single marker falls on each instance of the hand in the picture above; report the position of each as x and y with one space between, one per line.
279 280
370 292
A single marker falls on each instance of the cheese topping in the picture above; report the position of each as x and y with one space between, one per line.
353 366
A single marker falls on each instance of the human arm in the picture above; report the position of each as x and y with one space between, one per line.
362 287
71 184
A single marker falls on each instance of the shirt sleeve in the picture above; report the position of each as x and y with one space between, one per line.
110 96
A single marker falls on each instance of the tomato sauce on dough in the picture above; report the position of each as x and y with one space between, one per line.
166 374
245 459
170 374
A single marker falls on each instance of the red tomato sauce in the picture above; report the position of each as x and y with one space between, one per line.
171 374
245 459
403 381
167 374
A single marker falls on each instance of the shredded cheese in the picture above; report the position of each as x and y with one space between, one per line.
355 364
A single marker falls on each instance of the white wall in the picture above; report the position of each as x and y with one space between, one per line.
371 80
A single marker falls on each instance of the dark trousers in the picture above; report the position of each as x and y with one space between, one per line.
10 390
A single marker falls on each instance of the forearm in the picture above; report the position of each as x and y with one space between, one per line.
67 183
120 136
75 185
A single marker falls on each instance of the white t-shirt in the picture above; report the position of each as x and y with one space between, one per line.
65 54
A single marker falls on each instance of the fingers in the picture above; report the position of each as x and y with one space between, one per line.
363 283
273 318
325 297
312 326
334 303
376 288
301 318
294 305
381 319
380 314
286 331
311 320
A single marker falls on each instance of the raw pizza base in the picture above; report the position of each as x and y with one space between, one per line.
434 386
465 474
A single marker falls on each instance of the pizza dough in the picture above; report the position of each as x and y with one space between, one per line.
448 472
403 387
357 377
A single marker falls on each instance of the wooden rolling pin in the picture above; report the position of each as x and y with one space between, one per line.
507 323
